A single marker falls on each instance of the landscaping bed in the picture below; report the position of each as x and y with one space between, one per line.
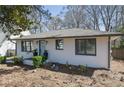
48 76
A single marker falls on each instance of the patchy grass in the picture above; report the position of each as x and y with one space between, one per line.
26 76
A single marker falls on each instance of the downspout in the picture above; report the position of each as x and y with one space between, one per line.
16 50
109 55
39 47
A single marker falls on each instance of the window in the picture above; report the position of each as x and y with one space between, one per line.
26 46
59 44
85 46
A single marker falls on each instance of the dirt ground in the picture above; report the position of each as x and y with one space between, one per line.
16 76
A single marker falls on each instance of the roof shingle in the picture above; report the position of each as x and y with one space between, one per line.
69 33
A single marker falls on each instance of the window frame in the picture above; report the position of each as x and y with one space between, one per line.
24 46
85 53
56 44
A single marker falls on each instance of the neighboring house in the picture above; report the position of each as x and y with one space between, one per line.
6 45
75 46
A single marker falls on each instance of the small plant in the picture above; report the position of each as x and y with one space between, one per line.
37 61
83 68
18 60
2 59
67 65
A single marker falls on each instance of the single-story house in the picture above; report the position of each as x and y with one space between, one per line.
75 46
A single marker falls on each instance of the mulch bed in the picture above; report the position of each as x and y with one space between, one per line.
70 69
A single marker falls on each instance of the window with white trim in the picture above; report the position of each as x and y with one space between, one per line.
26 46
59 44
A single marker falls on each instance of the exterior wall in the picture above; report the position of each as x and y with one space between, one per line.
68 54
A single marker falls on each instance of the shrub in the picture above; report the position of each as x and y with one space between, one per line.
37 61
44 58
18 60
2 59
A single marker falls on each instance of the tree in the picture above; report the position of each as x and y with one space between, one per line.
38 16
74 17
118 23
55 23
107 14
14 19
94 17
107 18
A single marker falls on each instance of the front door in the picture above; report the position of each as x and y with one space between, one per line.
41 47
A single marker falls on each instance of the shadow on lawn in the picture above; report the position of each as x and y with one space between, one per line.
24 67
8 71
14 69
89 73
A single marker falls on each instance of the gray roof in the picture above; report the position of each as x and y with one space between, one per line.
69 33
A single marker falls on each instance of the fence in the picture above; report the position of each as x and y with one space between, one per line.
118 53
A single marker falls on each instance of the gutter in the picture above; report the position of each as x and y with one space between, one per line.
54 37
109 54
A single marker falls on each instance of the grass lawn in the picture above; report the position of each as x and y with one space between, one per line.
25 76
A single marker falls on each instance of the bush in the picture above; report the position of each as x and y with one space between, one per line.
18 60
37 61
2 59
44 58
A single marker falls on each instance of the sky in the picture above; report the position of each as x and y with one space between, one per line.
54 9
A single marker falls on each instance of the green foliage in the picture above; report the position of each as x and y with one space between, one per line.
14 18
119 46
37 61
120 29
115 47
17 18
83 68
18 60
2 59
122 44
44 59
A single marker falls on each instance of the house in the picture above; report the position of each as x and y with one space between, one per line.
75 46
6 46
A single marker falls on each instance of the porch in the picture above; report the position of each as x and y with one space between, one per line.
25 48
